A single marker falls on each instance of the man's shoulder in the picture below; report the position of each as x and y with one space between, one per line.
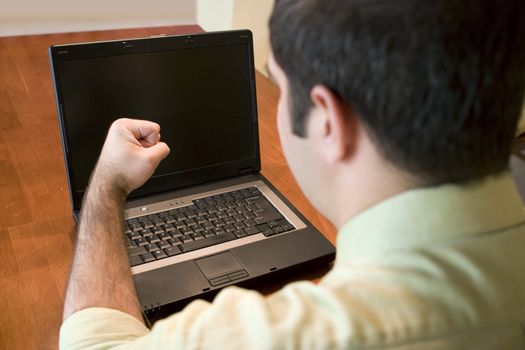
437 291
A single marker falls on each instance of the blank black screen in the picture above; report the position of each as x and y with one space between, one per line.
201 97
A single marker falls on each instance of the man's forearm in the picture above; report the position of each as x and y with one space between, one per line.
100 275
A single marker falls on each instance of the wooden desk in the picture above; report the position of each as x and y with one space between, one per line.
36 227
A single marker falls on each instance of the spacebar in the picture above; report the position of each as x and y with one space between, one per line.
228 236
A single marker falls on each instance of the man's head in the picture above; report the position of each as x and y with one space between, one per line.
437 85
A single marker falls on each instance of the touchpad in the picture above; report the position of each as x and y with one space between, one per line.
221 268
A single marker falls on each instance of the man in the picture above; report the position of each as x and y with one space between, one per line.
397 118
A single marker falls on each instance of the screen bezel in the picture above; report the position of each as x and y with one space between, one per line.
60 53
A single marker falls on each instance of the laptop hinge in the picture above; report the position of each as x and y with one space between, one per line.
244 171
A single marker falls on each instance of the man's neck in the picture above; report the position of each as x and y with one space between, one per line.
362 188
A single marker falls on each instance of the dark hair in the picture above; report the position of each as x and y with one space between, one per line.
438 84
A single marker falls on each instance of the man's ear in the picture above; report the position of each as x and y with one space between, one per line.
335 127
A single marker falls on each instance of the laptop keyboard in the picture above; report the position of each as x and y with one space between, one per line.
208 221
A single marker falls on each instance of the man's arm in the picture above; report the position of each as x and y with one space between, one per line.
100 274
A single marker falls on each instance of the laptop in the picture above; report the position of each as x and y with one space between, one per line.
207 218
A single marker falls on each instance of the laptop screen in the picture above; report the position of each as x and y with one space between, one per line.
202 97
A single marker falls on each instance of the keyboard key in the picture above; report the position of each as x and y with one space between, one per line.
148 224
169 228
239 225
266 215
152 247
147 257
130 243
274 223
141 242
135 235
288 227
284 224
159 254
158 222
248 215
249 223
171 251
260 202
262 227
164 236
219 230
265 229
197 236
176 234
239 234
251 207
135 260
277 229
136 251
164 245
212 210
186 239
153 239
148 233
186 230
175 241
208 226
251 230
208 233
201 203
134 226
269 232
197 228
208 242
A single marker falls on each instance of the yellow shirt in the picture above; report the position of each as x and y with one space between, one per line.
432 268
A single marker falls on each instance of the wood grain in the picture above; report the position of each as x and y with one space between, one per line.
36 227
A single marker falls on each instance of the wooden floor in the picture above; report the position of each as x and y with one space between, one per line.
36 227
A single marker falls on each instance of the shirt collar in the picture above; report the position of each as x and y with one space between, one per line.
427 215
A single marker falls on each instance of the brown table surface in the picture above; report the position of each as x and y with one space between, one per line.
36 226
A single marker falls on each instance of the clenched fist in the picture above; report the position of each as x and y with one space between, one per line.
131 153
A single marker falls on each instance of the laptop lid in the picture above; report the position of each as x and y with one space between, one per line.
200 88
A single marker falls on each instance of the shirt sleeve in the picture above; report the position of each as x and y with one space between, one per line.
237 319
99 328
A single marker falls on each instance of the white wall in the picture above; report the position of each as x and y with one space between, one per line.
240 14
48 16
